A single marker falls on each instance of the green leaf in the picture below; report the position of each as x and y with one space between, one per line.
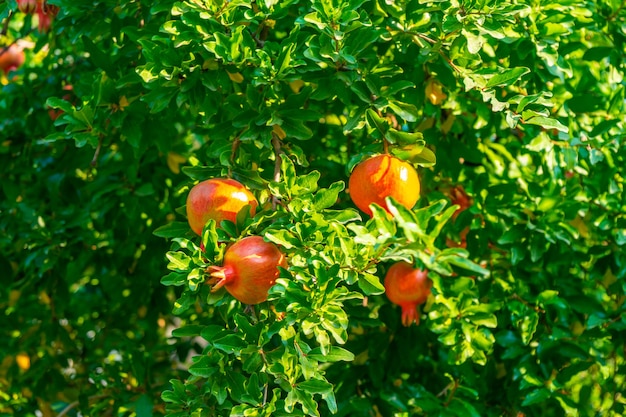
174 278
326 198
586 104
173 229
416 154
57 103
524 319
229 343
185 301
463 262
203 367
603 127
406 138
296 129
315 386
283 237
284 59
370 284
179 262
190 330
547 123
144 406
537 396
507 76
474 42
334 354
99 58
405 110
201 173
597 53
377 122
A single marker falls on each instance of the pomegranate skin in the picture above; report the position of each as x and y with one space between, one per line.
249 270
27 6
45 16
383 176
218 199
11 58
407 287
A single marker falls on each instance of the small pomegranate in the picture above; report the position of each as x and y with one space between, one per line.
27 6
218 199
250 269
45 15
407 287
460 197
11 58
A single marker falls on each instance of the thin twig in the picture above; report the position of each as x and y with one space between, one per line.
433 42
449 61
5 27
616 13
277 164
233 152
94 160
73 405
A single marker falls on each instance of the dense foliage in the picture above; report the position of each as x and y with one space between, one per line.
511 111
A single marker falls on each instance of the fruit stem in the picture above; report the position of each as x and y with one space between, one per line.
385 146
278 162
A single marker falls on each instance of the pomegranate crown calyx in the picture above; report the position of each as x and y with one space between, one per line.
220 276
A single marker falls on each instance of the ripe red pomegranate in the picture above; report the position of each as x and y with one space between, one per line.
250 269
27 6
11 58
45 15
407 287
218 199
45 21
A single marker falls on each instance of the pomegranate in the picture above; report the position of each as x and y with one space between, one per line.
407 287
45 16
11 58
27 6
460 197
250 269
383 176
217 199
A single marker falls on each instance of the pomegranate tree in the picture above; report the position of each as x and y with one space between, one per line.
250 269
407 287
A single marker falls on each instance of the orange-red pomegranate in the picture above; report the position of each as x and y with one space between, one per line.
249 270
11 58
218 199
407 287
383 176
